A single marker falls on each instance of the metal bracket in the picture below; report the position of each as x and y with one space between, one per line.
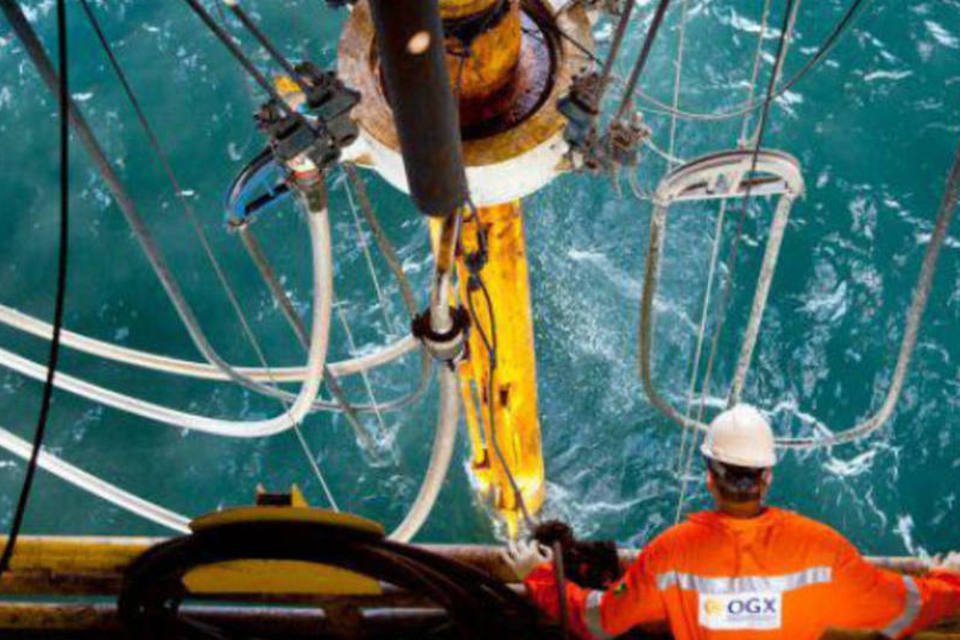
717 176
324 127
449 347
623 139
725 175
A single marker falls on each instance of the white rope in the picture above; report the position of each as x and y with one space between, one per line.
311 460
94 485
686 458
441 454
381 298
191 368
318 224
762 291
352 345
446 431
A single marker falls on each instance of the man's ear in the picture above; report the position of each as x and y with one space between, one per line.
768 477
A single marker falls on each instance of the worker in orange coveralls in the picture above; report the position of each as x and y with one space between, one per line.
746 570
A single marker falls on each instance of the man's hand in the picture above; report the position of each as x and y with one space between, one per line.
951 562
524 556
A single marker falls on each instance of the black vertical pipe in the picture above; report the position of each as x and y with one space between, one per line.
412 55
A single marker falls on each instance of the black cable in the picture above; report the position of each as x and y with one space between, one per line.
238 54
13 13
477 603
552 26
491 349
641 62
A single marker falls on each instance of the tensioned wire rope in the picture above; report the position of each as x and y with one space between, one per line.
914 316
447 413
846 21
162 159
63 93
446 416
146 240
856 9
684 457
35 49
145 359
786 30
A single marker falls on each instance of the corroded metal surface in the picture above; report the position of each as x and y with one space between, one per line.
358 66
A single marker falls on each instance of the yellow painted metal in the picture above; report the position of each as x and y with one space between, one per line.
509 416
289 577
280 576
260 514
514 400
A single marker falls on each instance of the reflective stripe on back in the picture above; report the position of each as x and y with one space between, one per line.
911 607
591 616
742 584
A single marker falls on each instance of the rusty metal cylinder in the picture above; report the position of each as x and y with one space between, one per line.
483 50
411 47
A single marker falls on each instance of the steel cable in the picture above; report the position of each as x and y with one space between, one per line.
747 107
626 101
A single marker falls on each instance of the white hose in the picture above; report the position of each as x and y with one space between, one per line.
190 368
92 484
318 223
440 456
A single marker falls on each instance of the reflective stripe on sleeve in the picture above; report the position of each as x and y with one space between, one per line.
591 616
744 584
911 607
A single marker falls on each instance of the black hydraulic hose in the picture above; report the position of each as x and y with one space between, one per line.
410 42
26 34
480 605
641 62
17 20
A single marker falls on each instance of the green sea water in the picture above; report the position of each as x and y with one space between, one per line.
874 128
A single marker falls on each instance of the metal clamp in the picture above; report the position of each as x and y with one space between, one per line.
322 130
623 140
580 106
449 347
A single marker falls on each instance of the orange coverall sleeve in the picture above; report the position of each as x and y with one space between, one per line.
894 604
633 600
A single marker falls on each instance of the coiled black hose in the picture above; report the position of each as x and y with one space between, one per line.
479 606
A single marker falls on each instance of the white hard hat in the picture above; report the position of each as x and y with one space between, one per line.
740 436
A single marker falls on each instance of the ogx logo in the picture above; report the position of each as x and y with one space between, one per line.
754 610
